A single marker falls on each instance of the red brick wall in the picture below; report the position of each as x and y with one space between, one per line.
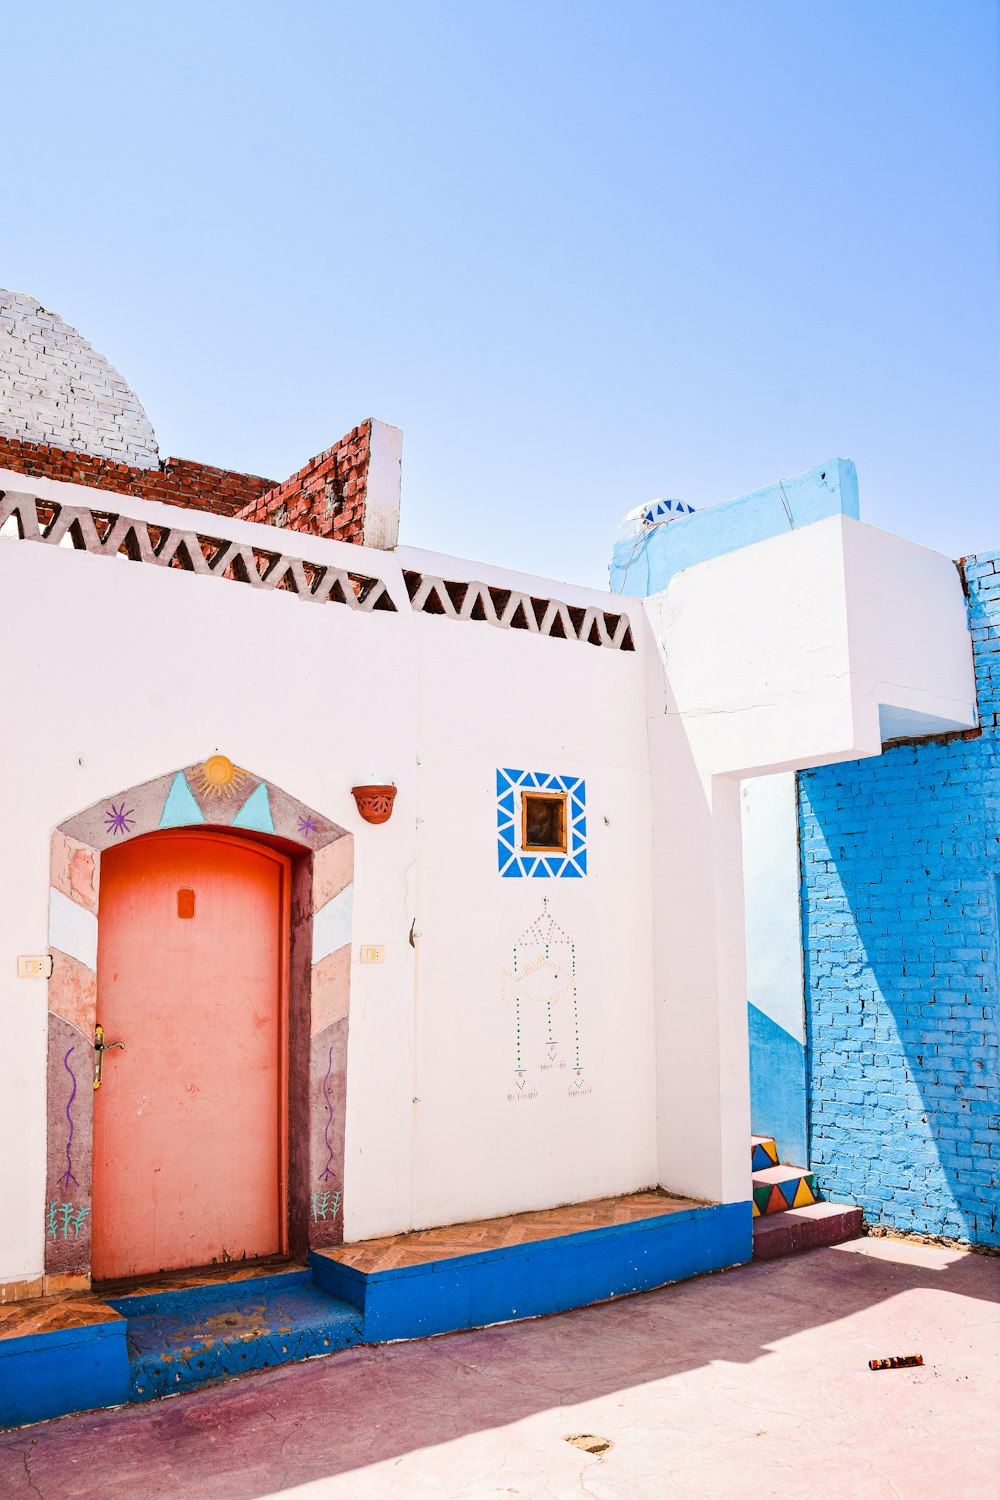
327 496
177 481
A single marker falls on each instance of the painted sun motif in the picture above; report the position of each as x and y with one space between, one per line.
218 777
308 825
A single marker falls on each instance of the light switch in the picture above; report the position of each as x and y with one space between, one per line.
372 953
34 966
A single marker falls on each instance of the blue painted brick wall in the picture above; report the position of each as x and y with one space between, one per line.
900 889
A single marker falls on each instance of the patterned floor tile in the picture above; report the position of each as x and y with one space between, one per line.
423 1245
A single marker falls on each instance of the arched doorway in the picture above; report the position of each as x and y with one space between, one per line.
277 877
189 1119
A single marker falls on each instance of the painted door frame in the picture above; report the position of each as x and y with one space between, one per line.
317 953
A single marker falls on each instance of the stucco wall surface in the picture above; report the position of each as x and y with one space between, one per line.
777 656
901 883
122 672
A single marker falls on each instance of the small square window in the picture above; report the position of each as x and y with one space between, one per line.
543 821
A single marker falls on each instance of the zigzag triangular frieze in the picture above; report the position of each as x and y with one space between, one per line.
430 594
105 534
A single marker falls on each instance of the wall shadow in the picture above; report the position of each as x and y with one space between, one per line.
900 858
270 1433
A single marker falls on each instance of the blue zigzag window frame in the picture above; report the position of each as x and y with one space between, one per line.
513 861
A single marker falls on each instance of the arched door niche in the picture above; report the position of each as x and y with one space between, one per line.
210 794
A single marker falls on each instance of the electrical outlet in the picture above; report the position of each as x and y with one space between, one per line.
34 966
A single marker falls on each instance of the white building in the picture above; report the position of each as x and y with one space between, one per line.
526 988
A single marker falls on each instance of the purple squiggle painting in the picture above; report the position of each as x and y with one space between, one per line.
67 1177
327 1171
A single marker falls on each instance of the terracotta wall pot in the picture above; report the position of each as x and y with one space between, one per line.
374 802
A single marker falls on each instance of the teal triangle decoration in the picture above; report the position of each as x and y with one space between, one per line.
507 803
256 811
180 808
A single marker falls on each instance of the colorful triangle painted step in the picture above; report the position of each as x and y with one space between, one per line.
776 1203
803 1194
761 1193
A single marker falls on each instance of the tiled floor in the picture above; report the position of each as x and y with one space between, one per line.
180 1281
50 1314
78 1309
425 1245
74 1309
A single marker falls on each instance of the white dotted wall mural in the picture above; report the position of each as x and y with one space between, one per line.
540 992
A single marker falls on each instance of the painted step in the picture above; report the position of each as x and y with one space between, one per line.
180 1340
776 1189
805 1229
763 1152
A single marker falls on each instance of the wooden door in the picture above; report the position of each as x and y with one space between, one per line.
189 1119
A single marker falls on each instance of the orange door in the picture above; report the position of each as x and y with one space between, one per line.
188 1120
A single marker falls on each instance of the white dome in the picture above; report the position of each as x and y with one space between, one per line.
56 389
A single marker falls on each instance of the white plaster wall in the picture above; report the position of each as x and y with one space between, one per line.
779 655
770 832
775 657
579 713
911 653
119 671
382 493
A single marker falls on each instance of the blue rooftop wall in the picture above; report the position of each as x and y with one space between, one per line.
645 562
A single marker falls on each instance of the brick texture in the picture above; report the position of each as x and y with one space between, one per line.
57 389
327 496
175 481
900 892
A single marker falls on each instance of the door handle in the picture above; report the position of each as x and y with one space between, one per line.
100 1047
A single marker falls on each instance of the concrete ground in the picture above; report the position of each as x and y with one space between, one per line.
751 1382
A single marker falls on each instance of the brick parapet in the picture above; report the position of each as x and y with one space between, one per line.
326 497
900 891
174 481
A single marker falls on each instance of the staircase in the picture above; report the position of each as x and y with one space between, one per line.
787 1213
193 1336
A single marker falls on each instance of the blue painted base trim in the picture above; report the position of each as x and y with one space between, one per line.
547 1276
50 1374
179 1340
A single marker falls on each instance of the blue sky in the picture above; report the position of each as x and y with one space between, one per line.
583 254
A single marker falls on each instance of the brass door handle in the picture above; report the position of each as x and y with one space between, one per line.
100 1047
